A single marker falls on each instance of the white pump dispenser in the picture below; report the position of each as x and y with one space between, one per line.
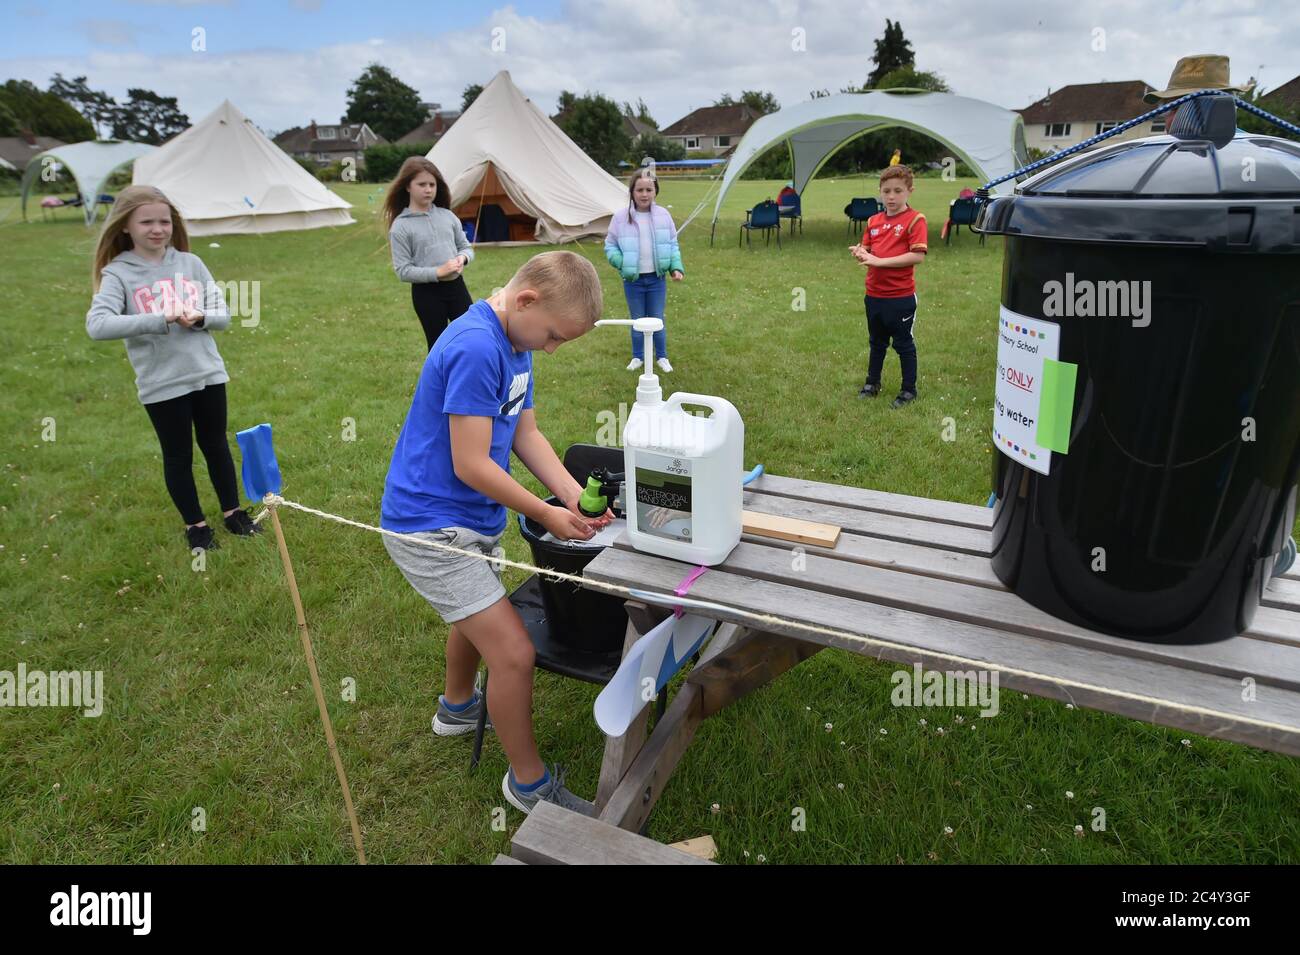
683 492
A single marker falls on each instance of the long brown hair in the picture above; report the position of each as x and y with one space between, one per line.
645 172
398 198
113 237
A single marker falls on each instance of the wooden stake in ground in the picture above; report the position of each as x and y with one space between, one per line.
315 684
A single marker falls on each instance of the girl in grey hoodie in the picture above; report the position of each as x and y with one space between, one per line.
428 243
153 293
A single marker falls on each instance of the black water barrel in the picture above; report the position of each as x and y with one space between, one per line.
1177 422
576 616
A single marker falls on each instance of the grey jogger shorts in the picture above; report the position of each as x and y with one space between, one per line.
455 584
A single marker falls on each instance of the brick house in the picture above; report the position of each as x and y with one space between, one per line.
431 130
18 150
325 145
712 129
1080 111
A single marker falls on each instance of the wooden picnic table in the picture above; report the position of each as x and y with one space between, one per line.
915 572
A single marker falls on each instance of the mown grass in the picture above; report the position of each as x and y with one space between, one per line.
208 700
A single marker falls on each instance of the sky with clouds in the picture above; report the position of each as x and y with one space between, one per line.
284 62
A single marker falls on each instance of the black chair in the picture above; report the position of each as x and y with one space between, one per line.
792 210
553 654
766 216
961 212
859 210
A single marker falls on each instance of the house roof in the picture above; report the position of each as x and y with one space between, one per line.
1081 101
16 150
1288 93
430 129
731 120
351 137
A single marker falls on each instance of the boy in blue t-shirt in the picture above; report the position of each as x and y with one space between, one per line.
449 482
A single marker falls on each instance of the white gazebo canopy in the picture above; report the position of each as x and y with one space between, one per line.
89 163
988 138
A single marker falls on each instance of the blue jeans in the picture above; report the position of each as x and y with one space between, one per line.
646 296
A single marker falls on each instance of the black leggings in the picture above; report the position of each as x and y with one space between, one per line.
204 413
438 303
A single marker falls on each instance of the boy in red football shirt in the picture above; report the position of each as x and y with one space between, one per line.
893 244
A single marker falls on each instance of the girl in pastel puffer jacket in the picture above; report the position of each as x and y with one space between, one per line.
642 245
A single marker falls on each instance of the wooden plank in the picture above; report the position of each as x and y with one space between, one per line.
896 555
1270 622
751 662
552 835
883 502
1111 679
506 860
1282 594
630 804
1272 663
702 847
621 750
966 540
790 529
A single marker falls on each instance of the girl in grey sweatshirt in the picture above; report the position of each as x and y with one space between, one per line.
161 300
429 246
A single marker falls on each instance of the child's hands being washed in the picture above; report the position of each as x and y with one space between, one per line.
566 525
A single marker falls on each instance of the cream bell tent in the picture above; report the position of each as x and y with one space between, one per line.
516 176
988 138
225 176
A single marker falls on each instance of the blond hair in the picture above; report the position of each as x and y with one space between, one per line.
113 237
562 280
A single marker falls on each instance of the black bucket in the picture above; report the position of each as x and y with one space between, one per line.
576 616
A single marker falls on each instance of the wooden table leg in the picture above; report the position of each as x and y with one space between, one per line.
621 750
748 661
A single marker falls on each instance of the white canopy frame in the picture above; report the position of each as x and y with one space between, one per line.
986 137
90 164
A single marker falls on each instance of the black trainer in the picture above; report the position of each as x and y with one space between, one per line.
241 524
869 391
904 398
201 536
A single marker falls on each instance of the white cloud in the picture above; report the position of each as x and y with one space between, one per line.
680 54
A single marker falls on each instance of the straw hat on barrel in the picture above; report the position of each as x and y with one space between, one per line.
1193 73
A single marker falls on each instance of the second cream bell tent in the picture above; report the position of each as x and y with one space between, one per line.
516 176
225 177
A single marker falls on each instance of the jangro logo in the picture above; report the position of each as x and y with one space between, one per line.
918 687
83 689
75 907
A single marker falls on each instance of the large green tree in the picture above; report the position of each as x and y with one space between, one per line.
469 94
595 123
44 113
96 105
9 125
760 101
892 52
147 117
390 107
641 111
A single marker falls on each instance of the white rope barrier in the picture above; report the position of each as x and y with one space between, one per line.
837 638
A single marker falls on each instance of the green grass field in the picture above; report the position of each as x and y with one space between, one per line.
208 701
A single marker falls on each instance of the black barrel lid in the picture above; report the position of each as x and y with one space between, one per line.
1163 190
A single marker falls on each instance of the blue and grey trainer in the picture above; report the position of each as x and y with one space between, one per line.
457 721
552 790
